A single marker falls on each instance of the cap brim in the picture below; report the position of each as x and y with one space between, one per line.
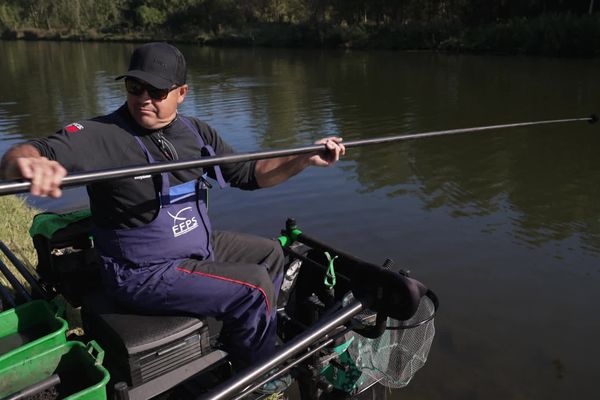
153 80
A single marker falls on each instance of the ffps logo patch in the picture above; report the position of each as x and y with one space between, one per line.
183 224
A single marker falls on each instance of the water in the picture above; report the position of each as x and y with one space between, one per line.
505 227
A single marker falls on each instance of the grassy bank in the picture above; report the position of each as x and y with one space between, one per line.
16 220
552 35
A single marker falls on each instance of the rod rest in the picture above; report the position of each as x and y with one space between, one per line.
390 293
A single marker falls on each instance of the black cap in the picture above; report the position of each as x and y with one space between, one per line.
159 64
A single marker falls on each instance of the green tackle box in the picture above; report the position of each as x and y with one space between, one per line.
28 330
77 366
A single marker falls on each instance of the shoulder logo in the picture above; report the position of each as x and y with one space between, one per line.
74 127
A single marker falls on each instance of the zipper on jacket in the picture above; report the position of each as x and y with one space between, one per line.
164 145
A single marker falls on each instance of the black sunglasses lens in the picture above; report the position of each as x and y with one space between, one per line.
137 88
134 87
157 94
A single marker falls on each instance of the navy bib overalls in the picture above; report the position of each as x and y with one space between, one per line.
176 264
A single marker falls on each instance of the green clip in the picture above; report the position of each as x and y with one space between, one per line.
291 237
329 280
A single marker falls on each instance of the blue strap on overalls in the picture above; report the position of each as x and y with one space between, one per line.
209 148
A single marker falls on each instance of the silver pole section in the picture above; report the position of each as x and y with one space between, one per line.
116 173
232 387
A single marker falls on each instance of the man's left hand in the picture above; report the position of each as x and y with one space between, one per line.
333 150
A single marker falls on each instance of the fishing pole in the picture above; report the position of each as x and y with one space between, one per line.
83 178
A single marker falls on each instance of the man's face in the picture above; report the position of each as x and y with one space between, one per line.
147 105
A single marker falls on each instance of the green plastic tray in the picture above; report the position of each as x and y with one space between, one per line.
28 330
82 376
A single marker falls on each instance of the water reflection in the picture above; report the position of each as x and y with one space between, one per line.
488 220
56 83
270 99
529 171
8 120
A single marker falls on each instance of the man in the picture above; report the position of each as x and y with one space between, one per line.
153 233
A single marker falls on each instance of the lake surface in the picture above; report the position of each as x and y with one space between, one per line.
504 226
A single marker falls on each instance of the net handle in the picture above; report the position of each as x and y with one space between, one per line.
436 303
375 331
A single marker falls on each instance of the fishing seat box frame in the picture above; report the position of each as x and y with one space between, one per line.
145 354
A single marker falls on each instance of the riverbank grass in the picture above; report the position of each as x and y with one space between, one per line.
16 217
559 34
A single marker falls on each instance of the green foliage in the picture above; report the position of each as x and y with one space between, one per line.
563 35
15 230
150 17
284 35
511 26
355 36
9 16
105 15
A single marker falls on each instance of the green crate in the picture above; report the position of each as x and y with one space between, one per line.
82 376
28 330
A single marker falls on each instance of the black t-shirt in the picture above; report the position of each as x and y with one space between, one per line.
104 142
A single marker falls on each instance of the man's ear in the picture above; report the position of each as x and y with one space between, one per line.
182 92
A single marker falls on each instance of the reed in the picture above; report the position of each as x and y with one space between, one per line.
14 232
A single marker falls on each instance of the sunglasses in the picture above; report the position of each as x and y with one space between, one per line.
137 88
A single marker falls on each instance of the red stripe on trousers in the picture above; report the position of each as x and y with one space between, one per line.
232 281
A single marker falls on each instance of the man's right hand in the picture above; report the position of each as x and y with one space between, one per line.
45 175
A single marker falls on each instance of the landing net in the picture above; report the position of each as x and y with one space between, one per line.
391 360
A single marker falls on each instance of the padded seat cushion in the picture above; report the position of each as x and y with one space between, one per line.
134 333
